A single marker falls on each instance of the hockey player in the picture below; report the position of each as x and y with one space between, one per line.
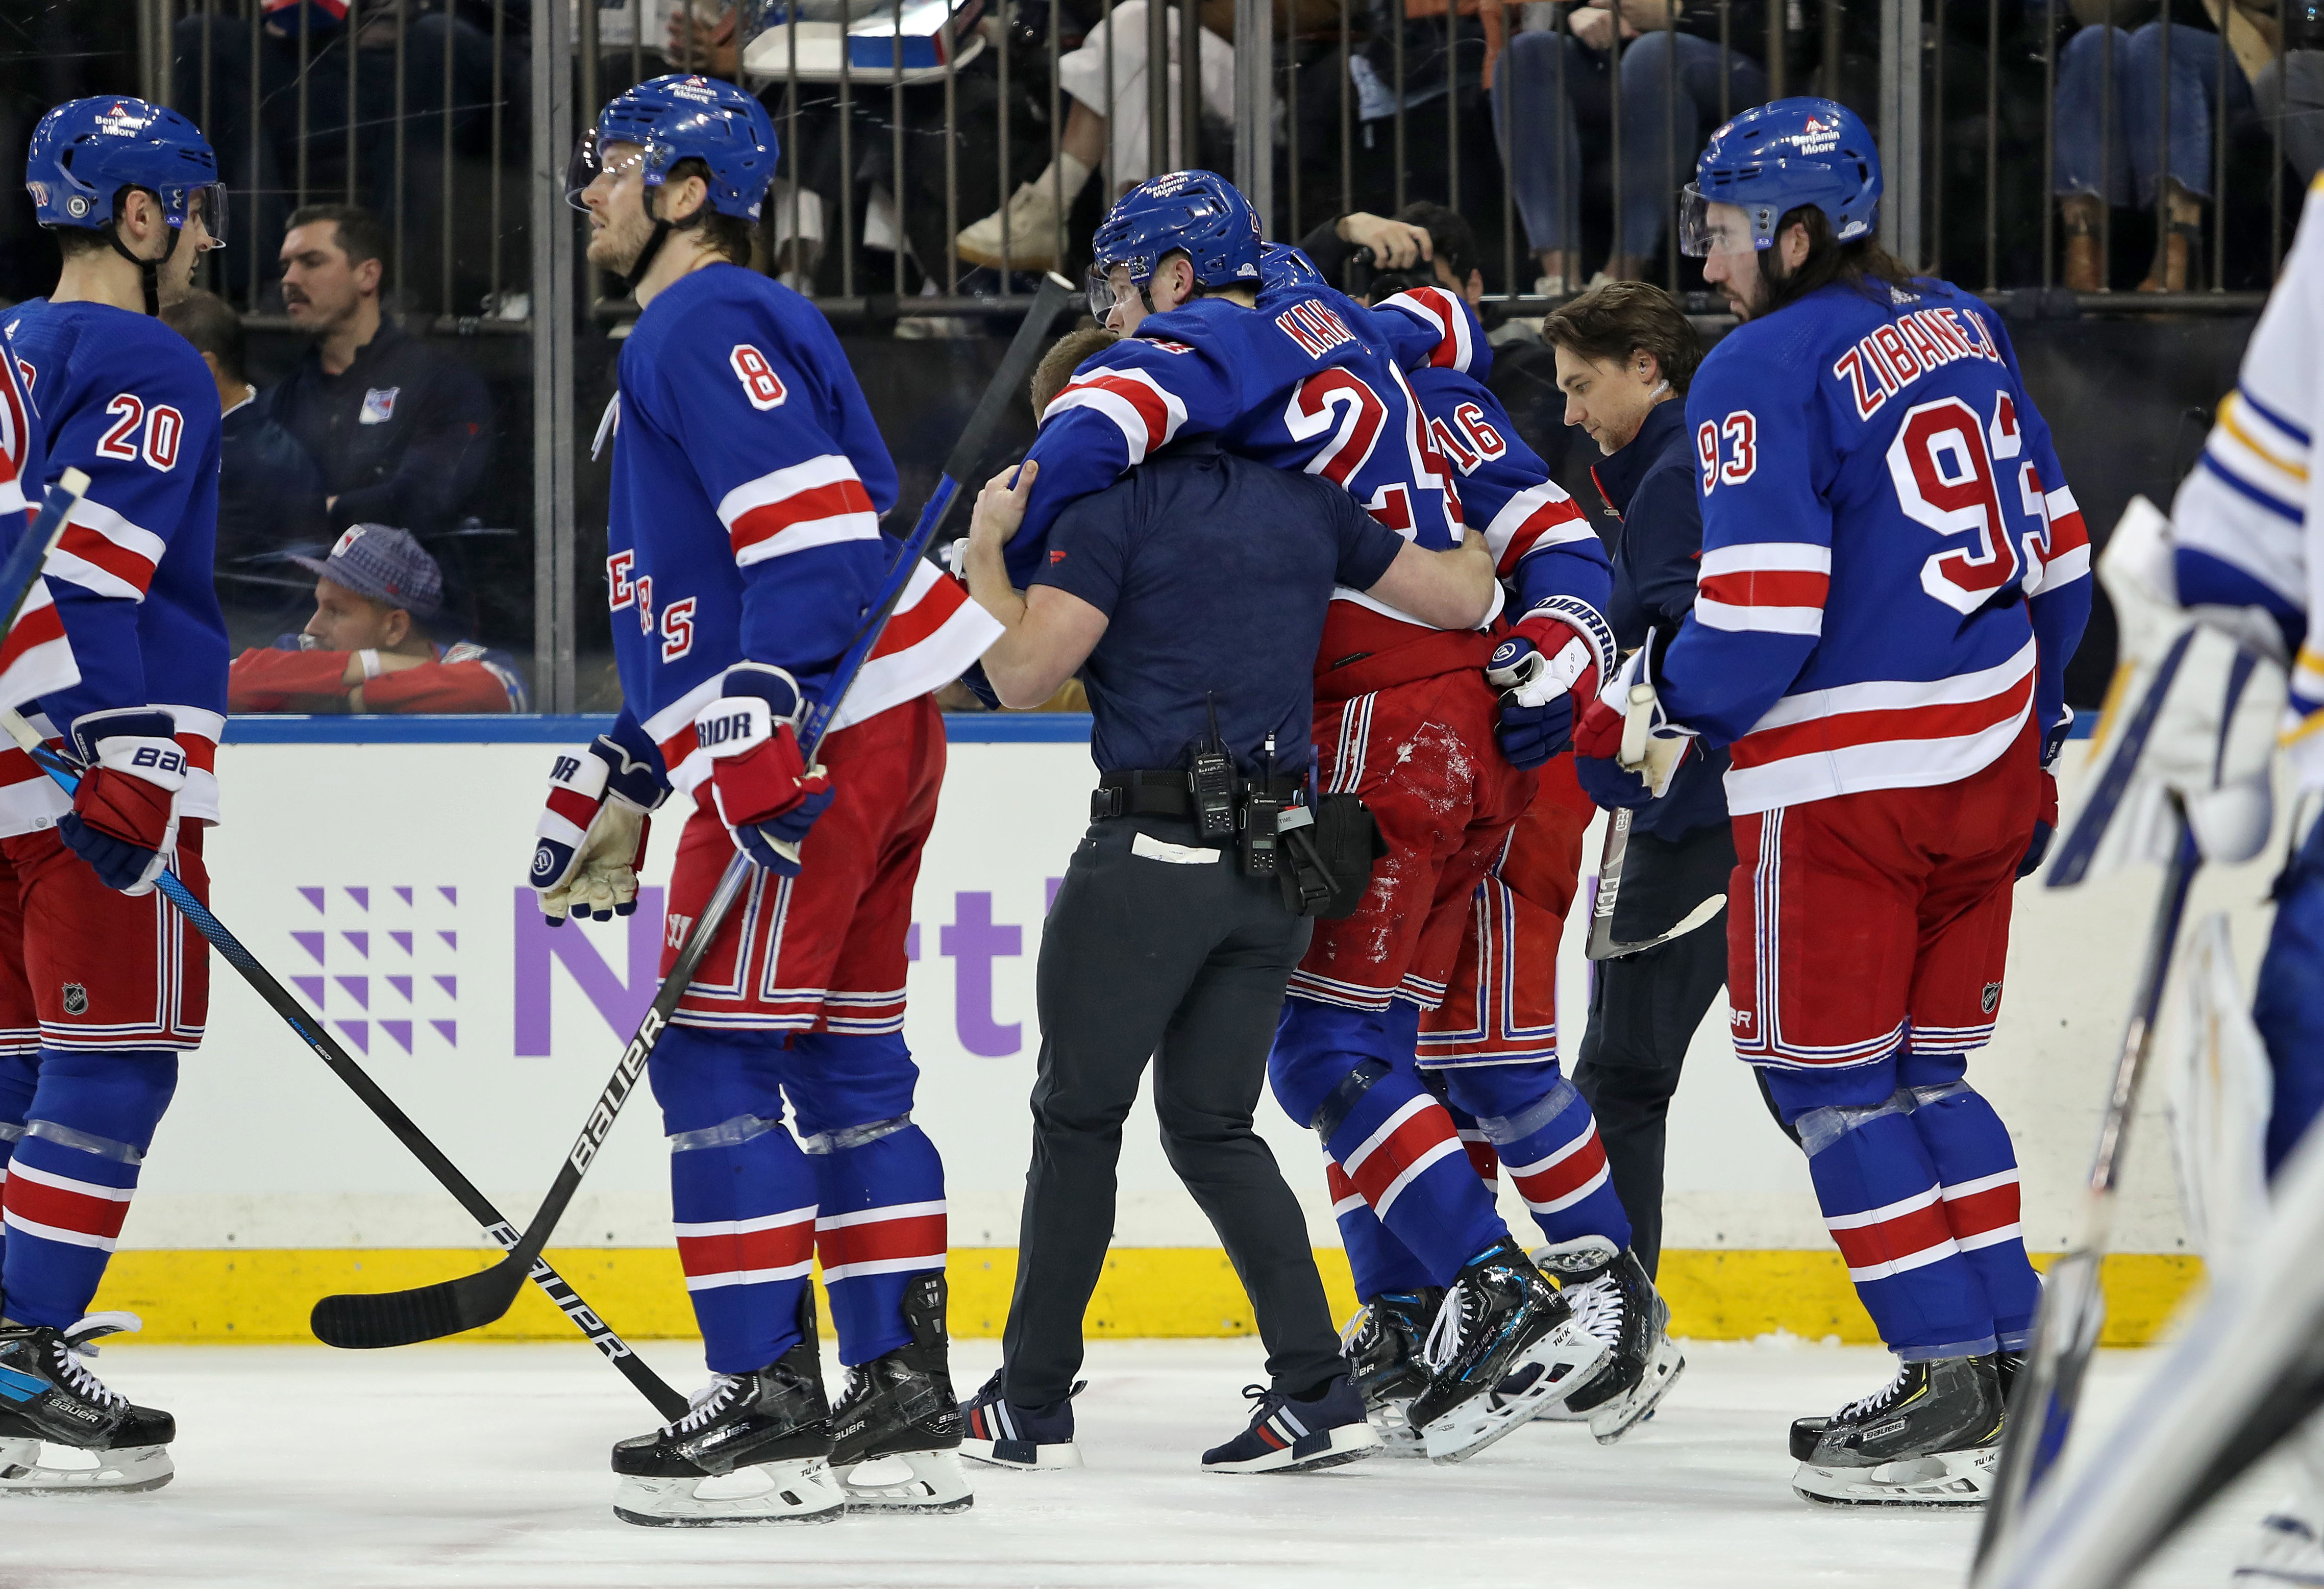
101 982
1894 575
745 549
1490 1050
1286 376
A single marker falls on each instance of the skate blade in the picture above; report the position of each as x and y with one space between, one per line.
1326 1448
936 1484
801 1491
1946 1478
131 1471
1021 1455
1563 1361
1397 1437
1619 1416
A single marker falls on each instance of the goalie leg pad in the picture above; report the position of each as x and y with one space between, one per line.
1350 1074
2289 1008
91 1118
741 1193
879 1182
1542 1128
1977 1170
1885 1206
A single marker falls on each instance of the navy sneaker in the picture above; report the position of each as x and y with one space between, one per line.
1288 1437
999 1431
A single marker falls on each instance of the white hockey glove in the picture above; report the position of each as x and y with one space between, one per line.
125 818
2213 735
591 837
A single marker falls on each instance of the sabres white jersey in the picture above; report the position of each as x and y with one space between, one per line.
2245 522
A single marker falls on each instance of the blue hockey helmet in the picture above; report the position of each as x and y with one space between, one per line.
1775 158
1199 214
686 117
1282 266
85 152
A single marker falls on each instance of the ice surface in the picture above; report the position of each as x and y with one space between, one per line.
486 1466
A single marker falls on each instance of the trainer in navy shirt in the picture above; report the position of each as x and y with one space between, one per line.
1199 581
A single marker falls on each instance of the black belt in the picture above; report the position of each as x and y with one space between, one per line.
1137 792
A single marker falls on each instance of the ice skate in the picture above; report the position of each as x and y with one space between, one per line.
1382 1344
47 1393
1288 1437
755 1449
1503 1343
999 1432
1930 1438
1614 1301
900 1408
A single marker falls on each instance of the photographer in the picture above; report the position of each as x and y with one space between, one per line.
1191 596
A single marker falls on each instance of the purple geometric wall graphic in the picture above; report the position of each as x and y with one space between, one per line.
400 1030
362 897
313 896
404 894
450 984
358 1033
312 942
451 940
912 941
402 939
621 1001
451 895
450 1029
361 942
402 985
358 988
313 986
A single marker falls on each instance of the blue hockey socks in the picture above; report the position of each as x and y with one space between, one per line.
1976 1171
1884 1207
1543 1131
742 1194
90 1118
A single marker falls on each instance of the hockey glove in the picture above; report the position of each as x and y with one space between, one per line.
1607 786
1539 669
125 818
766 794
591 837
1639 737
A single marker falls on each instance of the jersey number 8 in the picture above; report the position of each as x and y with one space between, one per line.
761 384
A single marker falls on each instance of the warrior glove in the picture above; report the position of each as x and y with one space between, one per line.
125 818
766 793
2045 816
1539 669
591 837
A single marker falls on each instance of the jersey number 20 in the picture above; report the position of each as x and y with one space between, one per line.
138 431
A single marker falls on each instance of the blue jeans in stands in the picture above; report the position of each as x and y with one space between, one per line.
2088 165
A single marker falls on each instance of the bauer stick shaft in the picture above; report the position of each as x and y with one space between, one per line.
2073 1307
400 1318
172 888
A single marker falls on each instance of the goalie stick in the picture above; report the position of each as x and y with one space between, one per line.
667 1402
365 1320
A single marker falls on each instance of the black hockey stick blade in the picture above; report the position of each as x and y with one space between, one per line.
368 1320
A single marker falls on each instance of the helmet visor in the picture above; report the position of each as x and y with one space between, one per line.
591 163
1108 291
208 202
1709 226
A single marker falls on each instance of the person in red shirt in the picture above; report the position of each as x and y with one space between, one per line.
367 648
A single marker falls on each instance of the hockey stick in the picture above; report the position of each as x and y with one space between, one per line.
2073 1308
21 567
362 1320
1648 757
666 1400
2079 846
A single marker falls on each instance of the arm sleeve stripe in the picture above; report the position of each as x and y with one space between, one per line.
2280 422
791 509
1766 589
2067 530
1801 556
1758 619
1537 516
105 553
2066 567
1147 415
1433 306
2274 504
2294 467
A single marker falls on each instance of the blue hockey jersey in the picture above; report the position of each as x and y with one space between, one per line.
1308 380
1894 570
749 479
35 657
128 401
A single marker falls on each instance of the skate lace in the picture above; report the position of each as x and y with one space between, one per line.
706 1404
77 1343
1443 1346
1597 1309
1864 1404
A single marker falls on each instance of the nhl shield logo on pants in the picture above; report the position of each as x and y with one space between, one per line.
76 998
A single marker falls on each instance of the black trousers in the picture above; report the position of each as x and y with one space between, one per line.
1183 963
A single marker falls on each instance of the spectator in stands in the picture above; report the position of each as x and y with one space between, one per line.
1546 85
2291 94
366 649
270 491
2096 166
402 431
1422 231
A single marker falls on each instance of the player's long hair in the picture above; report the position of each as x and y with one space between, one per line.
1858 265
